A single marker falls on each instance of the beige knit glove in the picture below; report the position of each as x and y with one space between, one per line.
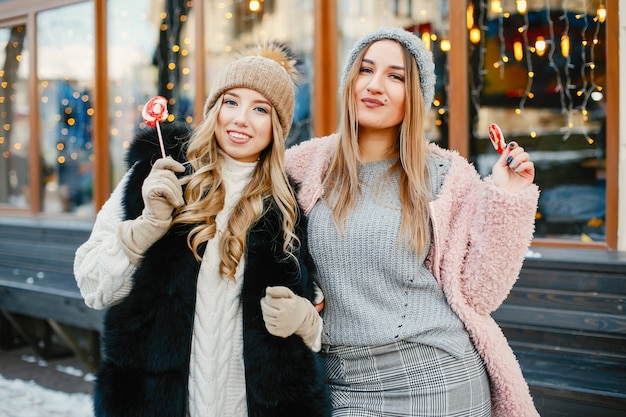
286 313
162 193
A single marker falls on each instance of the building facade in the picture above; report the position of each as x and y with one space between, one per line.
76 74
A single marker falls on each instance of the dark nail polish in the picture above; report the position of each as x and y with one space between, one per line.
509 159
512 145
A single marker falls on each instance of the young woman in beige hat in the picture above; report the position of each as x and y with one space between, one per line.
201 259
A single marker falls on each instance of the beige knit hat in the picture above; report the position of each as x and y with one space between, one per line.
269 69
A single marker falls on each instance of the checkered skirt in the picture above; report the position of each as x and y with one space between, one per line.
406 379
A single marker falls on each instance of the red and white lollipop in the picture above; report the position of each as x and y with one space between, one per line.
155 111
497 138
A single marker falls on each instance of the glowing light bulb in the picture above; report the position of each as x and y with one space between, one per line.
518 50
540 45
426 40
521 6
496 6
474 35
469 16
254 5
445 45
601 13
565 46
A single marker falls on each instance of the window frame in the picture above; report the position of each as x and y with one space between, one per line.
459 116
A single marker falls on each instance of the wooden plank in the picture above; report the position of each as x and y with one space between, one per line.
29 249
573 258
603 282
58 265
36 271
88 356
526 337
46 232
67 227
554 402
568 300
62 307
564 319
601 264
579 374
62 284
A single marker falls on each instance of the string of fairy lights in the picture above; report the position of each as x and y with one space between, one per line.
523 48
526 46
475 30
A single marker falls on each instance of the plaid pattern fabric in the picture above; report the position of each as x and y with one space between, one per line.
406 379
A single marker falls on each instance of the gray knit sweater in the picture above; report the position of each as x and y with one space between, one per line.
377 291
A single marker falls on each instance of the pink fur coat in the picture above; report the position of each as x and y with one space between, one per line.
480 236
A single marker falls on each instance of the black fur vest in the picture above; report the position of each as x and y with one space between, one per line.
147 337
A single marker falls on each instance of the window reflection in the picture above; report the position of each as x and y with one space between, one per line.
539 72
149 52
427 19
232 26
65 68
14 113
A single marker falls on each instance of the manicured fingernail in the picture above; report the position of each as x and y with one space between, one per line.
509 159
512 145
518 169
512 166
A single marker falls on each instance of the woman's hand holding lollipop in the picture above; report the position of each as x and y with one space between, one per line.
514 169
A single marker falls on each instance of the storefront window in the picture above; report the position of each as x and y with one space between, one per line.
427 19
539 73
65 70
232 26
150 52
14 113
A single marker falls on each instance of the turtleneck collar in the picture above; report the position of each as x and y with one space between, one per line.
232 168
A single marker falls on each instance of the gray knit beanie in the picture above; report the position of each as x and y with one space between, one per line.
423 57
269 69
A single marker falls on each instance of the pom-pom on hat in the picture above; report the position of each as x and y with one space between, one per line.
415 46
269 69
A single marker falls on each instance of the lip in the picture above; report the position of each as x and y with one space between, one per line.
371 102
238 137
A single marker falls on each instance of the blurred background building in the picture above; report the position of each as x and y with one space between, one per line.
75 75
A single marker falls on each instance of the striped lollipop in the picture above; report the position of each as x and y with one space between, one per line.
155 111
497 138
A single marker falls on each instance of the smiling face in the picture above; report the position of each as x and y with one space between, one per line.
244 124
379 89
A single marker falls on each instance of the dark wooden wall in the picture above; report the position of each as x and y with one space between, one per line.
566 321
40 303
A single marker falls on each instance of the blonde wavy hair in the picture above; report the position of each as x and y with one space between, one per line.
342 180
204 194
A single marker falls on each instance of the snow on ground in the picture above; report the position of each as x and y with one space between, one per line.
26 399
69 370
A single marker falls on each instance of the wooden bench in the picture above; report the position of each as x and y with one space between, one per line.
39 298
566 321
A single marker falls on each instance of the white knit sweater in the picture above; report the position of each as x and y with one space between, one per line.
216 379
104 275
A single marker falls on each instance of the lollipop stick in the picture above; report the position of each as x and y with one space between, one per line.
158 126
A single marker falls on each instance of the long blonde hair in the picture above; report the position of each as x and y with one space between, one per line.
342 180
204 194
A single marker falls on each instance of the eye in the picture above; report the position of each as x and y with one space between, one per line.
365 70
229 102
397 77
261 109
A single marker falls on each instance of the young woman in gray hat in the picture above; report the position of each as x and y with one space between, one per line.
413 248
201 259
